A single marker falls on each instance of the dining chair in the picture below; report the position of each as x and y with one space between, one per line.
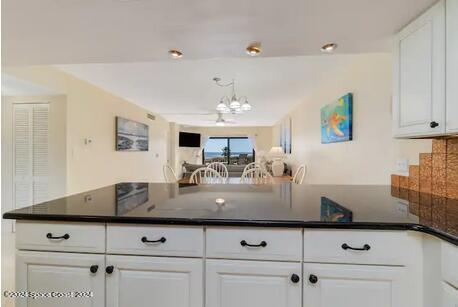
256 175
299 176
169 174
205 175
220 168
251 166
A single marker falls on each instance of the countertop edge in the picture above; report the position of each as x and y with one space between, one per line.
235 222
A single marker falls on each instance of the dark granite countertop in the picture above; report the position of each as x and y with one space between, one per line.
282 205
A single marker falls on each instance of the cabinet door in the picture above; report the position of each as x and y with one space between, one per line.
449 296
419 76
231 283
452 66
66 273
154 281
330 285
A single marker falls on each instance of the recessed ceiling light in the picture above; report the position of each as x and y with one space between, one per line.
176 54
329 47
254 49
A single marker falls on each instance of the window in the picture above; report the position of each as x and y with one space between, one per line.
229 150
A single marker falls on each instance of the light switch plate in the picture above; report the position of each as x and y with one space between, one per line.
402 165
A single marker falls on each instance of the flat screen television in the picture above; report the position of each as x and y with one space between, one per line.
188 139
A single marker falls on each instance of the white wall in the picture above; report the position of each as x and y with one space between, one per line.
371 157
91 113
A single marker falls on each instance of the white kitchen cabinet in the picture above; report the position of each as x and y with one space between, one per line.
452 66
343 285
449 263
154 281
231 283
65 273
419 76
449 296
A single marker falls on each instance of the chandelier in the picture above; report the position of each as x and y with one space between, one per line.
232 104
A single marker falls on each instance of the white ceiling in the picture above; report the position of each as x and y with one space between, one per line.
112 31
273 85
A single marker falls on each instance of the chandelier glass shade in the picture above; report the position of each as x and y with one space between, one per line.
246 106
233 104
221 107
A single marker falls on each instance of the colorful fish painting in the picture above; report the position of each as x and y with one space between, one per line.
336 120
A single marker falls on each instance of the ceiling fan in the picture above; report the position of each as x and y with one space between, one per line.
220 120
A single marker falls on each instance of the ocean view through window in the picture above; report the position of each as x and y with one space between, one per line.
229 150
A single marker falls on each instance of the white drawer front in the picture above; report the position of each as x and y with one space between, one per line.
167 241
232 243
75 237
450 263
385 247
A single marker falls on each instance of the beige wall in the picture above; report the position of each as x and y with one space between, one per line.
91 113
371 157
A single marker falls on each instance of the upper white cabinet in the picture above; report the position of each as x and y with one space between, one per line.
419 99
452 66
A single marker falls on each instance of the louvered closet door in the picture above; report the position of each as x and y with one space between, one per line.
40 152
31 166
23 162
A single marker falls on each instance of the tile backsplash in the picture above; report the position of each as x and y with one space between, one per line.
437 173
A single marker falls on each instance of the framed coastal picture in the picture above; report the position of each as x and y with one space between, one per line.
336 120
131 135
130 195
331 211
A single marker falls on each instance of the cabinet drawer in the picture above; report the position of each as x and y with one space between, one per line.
155 240
384 247
254 243
65 237
450 263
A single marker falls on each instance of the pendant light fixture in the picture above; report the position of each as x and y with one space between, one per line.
233 104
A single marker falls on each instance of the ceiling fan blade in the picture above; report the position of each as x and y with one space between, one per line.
186 114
